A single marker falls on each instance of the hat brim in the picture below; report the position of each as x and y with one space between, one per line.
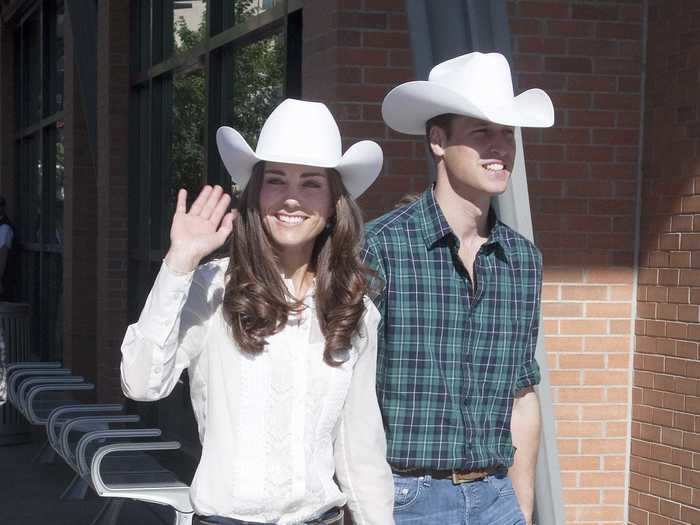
407 107
358 167
236 154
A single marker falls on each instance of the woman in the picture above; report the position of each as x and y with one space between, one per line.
279 340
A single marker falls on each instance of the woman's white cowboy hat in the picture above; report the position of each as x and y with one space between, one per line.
300 132
475 85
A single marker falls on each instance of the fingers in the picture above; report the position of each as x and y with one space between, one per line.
226 226
201 200
181 206
211 203
222 206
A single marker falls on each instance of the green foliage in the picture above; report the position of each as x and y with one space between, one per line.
258 86
189 112
258 80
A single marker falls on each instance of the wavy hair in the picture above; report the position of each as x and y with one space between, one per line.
257 303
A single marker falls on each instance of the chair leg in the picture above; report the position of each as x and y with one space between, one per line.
183 518
109 513
45 455
76 489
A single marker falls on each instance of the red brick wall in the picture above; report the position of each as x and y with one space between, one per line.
355 51
112 198
80 227
665 455
582 176
582 181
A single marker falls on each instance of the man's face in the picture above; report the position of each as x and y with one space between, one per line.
478 155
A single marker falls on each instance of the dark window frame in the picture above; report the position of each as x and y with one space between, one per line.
41 251
151 101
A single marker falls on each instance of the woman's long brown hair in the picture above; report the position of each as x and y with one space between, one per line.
257 303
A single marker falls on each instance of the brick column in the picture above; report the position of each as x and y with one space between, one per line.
582 179
665 462
112 170
355 51
80 227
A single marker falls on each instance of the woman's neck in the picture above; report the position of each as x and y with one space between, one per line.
295 266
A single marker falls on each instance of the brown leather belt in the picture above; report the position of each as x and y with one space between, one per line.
457 476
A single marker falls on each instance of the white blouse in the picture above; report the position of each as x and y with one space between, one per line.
274 427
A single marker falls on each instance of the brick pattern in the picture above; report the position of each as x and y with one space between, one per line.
582 182
665 451
355 51
80 227
112 197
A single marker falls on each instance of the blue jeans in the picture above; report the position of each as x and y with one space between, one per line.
427 501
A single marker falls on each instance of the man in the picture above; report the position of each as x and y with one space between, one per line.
7 234
459 297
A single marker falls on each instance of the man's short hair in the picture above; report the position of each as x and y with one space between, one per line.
443 121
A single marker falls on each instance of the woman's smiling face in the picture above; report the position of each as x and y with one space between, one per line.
295 205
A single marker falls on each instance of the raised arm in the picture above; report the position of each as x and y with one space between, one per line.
174 321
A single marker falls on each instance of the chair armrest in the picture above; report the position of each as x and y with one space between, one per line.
64 387
53 421
175 496
28 365
82 463
15 379
31 382
63 438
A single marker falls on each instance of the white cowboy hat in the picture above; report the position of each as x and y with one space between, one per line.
475 85
300 132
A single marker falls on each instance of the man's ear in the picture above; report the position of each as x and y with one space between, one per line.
438 141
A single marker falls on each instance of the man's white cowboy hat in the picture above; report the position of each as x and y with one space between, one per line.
475 85
300 132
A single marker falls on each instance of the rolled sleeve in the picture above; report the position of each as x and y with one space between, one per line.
529 371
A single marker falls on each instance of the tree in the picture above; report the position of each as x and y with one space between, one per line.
258 86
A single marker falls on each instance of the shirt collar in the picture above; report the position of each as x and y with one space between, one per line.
437 228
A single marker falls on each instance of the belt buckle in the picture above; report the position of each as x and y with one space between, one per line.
459 478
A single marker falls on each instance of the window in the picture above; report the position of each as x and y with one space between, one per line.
39 142
197 65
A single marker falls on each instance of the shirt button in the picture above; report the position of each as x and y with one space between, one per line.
157 370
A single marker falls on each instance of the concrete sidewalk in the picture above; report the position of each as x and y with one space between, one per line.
29 494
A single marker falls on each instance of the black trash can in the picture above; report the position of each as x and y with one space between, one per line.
14 326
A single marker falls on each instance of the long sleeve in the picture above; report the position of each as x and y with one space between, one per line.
169 334
360 446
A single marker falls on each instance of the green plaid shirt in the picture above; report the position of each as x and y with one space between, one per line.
450 360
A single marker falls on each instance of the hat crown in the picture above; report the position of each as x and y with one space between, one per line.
297 130
482 77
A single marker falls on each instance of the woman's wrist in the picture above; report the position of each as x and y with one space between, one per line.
181 262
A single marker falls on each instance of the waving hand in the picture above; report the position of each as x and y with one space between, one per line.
196 233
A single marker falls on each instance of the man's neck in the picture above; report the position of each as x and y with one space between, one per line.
466 212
